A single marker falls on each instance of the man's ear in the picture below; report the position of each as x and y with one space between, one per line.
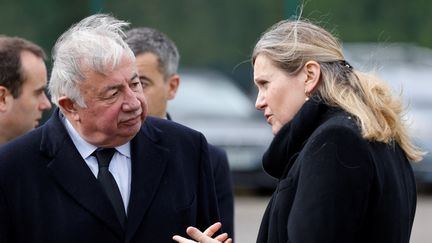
5 95
312 70
68 107
173 84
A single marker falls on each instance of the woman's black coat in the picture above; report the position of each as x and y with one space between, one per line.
334 185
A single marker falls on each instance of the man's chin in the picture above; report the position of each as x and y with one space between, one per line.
131 130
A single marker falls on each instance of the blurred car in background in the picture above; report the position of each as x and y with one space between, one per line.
408 69
211 103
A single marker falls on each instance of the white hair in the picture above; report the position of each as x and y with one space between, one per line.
94 44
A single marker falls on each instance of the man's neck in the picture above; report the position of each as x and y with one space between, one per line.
3 140
4 135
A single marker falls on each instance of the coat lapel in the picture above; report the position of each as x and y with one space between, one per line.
149 161
72 173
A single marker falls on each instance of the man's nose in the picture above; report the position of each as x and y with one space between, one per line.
44 104
132 101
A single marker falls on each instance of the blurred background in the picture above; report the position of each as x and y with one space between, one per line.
215 38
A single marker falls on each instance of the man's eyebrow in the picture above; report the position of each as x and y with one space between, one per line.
41 89
118 86
111 87
134 77
144 77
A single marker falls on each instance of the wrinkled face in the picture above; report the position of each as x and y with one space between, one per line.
280 96
156 88
116 106
26 110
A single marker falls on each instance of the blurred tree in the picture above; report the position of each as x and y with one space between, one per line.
217 34
222 33
206 32
376 20
39 21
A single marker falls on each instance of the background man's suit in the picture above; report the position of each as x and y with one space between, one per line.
223 186
48 193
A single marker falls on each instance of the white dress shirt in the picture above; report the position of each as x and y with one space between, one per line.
120 165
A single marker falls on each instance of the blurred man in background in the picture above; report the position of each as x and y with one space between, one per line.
157 60
23 79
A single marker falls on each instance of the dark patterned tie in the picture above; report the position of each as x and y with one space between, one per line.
108 182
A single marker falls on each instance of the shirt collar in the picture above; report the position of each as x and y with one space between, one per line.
86 149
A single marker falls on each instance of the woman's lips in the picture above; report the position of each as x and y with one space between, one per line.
269 118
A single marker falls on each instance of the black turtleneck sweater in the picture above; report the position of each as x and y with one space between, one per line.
334 186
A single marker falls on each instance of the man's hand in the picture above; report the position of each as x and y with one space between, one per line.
204 237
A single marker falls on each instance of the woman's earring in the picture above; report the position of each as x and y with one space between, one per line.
307 95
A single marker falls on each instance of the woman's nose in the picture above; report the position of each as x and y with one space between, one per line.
260 101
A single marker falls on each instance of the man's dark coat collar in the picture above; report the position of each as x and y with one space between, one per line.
70 171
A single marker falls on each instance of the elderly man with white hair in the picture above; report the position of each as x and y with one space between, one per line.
99 170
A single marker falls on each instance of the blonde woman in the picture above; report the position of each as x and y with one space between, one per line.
341 151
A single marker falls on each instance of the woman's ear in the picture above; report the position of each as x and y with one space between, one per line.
313 74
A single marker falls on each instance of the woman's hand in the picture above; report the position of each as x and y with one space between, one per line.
204 237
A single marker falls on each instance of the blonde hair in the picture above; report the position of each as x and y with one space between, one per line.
292 43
